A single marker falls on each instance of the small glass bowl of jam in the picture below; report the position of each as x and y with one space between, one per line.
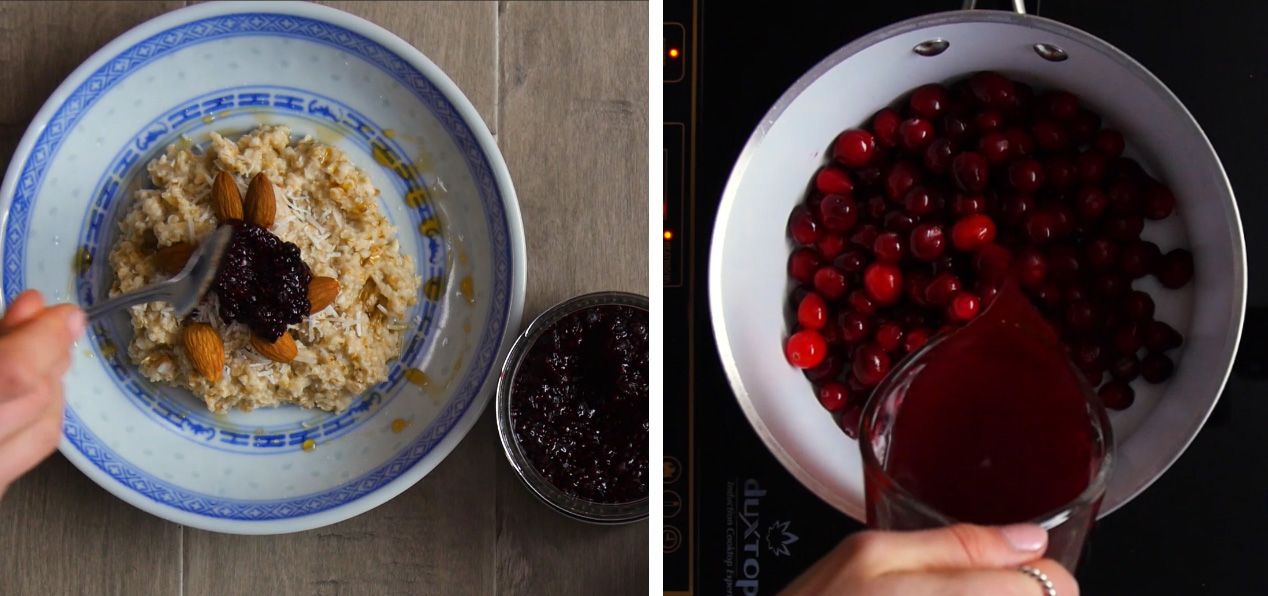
572 407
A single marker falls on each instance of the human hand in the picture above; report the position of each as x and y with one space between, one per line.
952 561
35 344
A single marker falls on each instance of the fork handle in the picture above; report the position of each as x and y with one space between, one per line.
151 293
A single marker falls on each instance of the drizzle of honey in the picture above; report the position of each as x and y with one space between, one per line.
83 260
389 133
208 118
466 326
466 288
309 445
463 257
108 349
415 198
416 377
399 425
432 288
430 227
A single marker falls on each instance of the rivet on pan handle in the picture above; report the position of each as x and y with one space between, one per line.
1047 51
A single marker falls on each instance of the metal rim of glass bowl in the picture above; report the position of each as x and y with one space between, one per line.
569 505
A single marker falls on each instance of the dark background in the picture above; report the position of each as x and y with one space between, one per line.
1203 527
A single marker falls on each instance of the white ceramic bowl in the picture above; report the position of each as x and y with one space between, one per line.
747 267
228 68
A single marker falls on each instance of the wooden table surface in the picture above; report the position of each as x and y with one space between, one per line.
564 89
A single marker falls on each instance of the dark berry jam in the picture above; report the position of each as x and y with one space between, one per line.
262 282
579 404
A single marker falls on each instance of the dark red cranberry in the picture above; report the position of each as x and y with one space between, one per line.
1139 306
838 213
992 89
830 245
802 264
1026 175
1100 254
1062 105
897 221
964 306
1082 317
1175 269
861 303
1110 285
942 289
1050 295
1125 197
1090 203
856 327
1088 353
1023 101
1064 264
889 336
972 231
1020 142
902 176
994 147
964 205
802 226
834 396
969 170
805 349
1084 127
830 180
1160 337
865 235
915 339
1127 339
1041 227
1156 368
833 363
812 313
938 156
987 290
885 127
988 121
1138 258
850 419
1108 142
873 174
851 261
854 148
957 129
888 248
1159 202
1126 228
875 208
1032 267
915 133
920 201
1063 217
1050 136
871 364
830 282
1116 395
927 242
929 101
1015 207
1060 170
992 262
1125 368
1091 167
883 282
915 284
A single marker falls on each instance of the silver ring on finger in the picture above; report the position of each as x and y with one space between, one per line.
1041 577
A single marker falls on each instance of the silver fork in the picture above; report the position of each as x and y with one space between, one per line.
185 289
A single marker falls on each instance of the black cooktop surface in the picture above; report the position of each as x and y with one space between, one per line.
736 522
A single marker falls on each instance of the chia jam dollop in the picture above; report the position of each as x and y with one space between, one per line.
579 404
262 282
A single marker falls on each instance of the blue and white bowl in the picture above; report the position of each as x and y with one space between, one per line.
229 67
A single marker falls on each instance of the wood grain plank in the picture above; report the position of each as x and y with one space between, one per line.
573 118
62 534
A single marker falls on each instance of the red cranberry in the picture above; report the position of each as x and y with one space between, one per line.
854 148
897 221
927 242
1156 368
1100 254
964 205
942 289
938 156
850 420
1091 167
1093 374
994 147
812 313
889 336
1160 337
830 181
1020 142
1041 227
1116 395
915 339
831 366
957 129
871 363
838 213
1032 267
802 226
1159 202
1050 295
1026 175
915 133
1084 127
969 170
1125 228
832 363
1015 207
972 231
855 327
992 89
1139 258
929 101
1063 217
1110 285
988 121
851 261
1139 306
1087 354
802 264
830 282
805 349
1175 269
1060 171
861 303
1125 197
865 235
830 245
885 127
873 174
833 396
987 290
1108 142
916 283
964 306
1127 340
1081 317
1023 98
1125 368
883 283
1061 105
1063 263
901 177
1090 203
875 207
992 262
920 201
888 248
1050 136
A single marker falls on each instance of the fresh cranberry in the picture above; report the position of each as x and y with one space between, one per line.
830 245
929 101
1081 317
854 148
938 156
1026 175
1160 337
1110 285
1050 136
1084 127
1032 267
830 282
1156 368
1020 142
1060 171
1116 395
838 213
805 349
1061 105
1063 263
1139 306
915 133
1175 269
1159 202
964 306
992 89
1126 228
1108 142
856 327
1093 373
1138 258
964 205
831 366
992 262
830 181
888 248
834 396
883 282
1050 295
987 290
875 207
1100 254
1063 217
1023 101
859 301
1125 368
865 235
1127 340
1041 227
957 129
1015 207
897 221
871 363
1087 354
802 264
812 313
851 261
850 420
873 174
915 339
994 147
1124 197
942 289
901 177
802 226
885 127
927 242
1090 203
944 264
972 231
920 201
1091 167
969 170
988 121
889 336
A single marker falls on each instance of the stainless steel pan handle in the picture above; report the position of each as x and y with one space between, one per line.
1047 51
1018 5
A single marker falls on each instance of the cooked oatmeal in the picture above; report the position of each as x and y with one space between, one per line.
326 206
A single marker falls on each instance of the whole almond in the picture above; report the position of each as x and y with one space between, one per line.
171 259
322 291
206 351
225 200
261 204
283 350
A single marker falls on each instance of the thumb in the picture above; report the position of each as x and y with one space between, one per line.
961 546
